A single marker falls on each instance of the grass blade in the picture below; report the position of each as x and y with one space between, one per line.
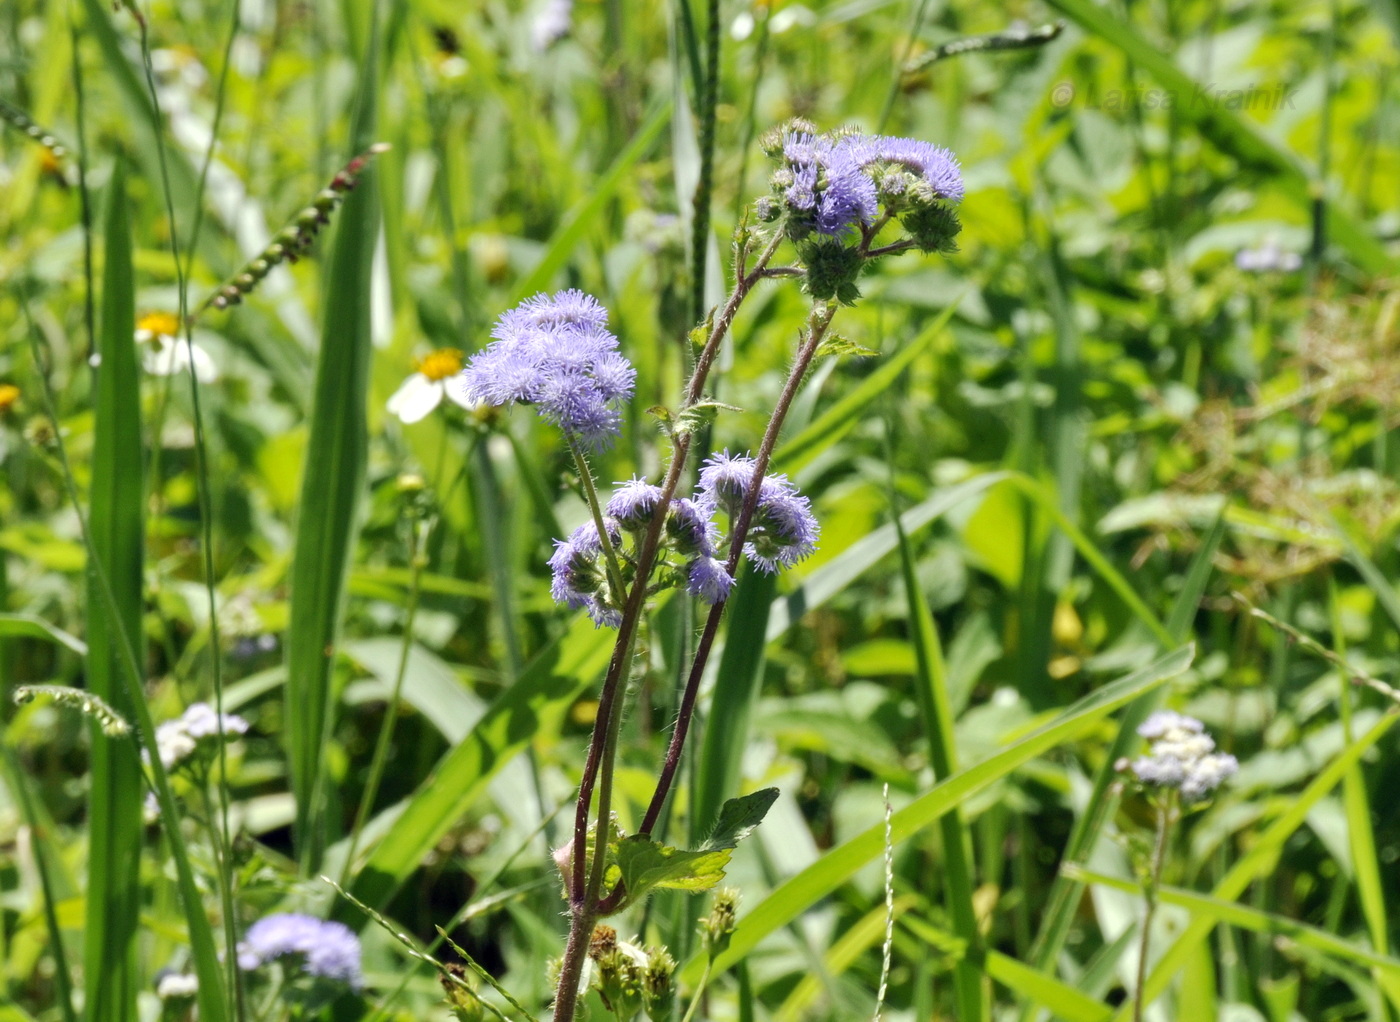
116 521
578 219
825 875
740 675
931 682
336 455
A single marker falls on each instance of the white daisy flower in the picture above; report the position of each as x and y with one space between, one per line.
165 353
436 378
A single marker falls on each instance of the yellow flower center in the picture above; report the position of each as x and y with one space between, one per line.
441 364
9 394
162 324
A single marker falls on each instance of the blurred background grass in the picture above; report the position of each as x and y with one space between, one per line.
1101 341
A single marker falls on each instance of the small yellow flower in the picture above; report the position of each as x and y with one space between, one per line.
436 378
9 394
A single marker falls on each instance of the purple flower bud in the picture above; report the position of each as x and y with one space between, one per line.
708 580
324 950
633 502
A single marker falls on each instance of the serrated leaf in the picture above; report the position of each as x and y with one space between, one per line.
647 864
839 345
738 817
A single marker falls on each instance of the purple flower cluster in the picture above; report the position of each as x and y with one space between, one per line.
834 182
580 577
579 571
323 950
783 530
556 352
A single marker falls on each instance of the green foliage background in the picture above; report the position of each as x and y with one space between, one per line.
1105 441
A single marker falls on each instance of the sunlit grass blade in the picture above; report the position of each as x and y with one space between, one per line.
931 683
30 627
1246 918
331 489
737 682
860 937
1366 868
534 705
115 519
1225 128
1261 857
825 875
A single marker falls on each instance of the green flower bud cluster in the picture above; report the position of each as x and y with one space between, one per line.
630 978
719 924
294 240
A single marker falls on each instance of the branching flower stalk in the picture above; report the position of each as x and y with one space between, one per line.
832 195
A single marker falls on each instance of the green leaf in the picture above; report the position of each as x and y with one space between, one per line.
331 489
838 344
959 879
699 415
738 817
824 876
116 525
28 626
646 864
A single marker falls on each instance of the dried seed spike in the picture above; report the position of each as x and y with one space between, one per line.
294 239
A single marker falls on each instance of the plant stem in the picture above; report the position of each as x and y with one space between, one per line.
818 323
583 912
699 990
1165 812
590 492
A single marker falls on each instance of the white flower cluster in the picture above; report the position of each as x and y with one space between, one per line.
178 739
1182 756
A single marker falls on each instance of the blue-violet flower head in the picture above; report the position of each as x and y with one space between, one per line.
325 950
555 352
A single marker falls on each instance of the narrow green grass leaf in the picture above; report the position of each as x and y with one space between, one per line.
1366 867
331 488
535 704
838 420
737 681
1063 1000
116 524
804 890
582 216
1227 130
931 684
51 889
1244 917
1261 857
28 626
